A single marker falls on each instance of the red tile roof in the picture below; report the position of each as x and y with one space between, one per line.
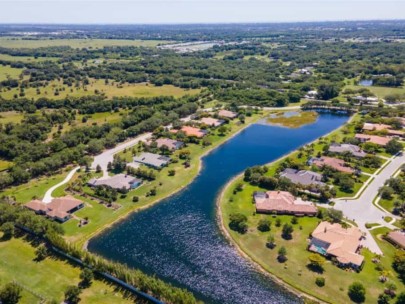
335 163
379 140
191 131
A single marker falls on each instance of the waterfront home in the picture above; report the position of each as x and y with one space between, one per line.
119 182
152 160
341 148
282 202
311 95
212 122
59 209
227 114
302 177
397 238
343 244
171 144
335 163
191 131
378 140
382 127
365 99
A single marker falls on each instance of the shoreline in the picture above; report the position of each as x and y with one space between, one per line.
130 212
224 231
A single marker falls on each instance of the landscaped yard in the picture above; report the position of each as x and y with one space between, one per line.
48 278
295 271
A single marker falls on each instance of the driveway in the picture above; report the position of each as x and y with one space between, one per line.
48 195
362 210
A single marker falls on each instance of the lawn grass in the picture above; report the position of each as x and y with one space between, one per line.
26 58
295 271
48 278
110 90
11 42
4 165
380 92
9 72
295 121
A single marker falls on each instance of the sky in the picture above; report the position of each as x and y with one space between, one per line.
195 11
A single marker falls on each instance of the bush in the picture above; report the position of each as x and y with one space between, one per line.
320 281
287 231
401 298
10 293
271 243
282 254
135 199
357 292
72 294
87 277
264 225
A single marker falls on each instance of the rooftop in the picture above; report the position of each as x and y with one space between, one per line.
303 177
282 202
170 143
58 208
209 121
191 131
341 242
118 181
153 160
335 163
397 237
379 140
353 149
227 114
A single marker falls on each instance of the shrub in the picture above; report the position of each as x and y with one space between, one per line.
271 243
357 292
287 231
282 254
264 225
320 281
10 293
135 199
238 222
72 294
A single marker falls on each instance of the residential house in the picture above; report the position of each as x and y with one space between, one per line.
191 131
212 122
397 238
171 144
283 202
311 95
353 149
378 140
302 177
119 182
227 114
59 209
152 160
382 127
335 163
343 244
365 99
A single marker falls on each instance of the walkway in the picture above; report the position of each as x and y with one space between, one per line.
362 210
48 195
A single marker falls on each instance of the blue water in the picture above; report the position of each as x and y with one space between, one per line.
179 240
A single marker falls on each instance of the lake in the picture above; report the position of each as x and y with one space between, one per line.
179 239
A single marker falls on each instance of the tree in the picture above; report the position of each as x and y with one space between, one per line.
98 169
287 231
282 254
271 243
10 293
399 263
383 299
320 281
264 225
393 147
8 230
316 262
238 222
334 215
242 118
327 91
401 298
172 172
357 292
41 252
278 222
87 277
72 294
222 130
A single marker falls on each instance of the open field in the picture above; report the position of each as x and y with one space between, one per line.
110 90
295 271
48 278
26 58
4 165
9 72
14 117
10 42
380 92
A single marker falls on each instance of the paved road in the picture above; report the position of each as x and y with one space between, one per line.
362 210
48 195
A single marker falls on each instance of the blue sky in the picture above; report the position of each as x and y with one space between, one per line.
196 11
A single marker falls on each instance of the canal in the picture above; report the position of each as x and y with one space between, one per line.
179 239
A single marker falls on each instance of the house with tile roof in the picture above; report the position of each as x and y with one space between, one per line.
191 131
342 244
227 114
356 151
211 122
302 177
152 160
378 140
171 144
397 238
335 163
118 182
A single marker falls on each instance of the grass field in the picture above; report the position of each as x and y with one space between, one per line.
110 90
25 58
14 117
295 271
48 278
4 165
380 92
10 42
9 72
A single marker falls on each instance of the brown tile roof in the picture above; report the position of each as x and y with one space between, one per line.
191 131
58 208
37 206
375 127
170 143
340 242
282 202
227 114
209 121
379 140
397 237
335 163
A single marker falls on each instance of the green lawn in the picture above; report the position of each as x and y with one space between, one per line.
4 165
25 58
48 278
9 72
11 42
295 271
110 90
380 92
14 117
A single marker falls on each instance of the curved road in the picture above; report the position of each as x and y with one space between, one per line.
48 195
